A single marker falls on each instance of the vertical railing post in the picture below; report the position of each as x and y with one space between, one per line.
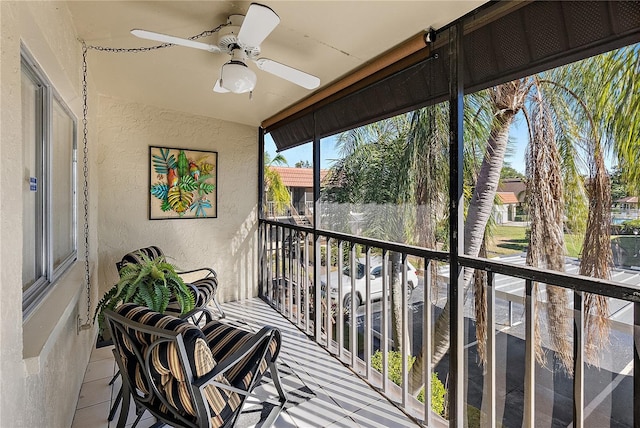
530 357
270 268
404 340
277 283
367 316
327 293
316 285
290 277
578 360
307 285
261 259
456 228
283 281
261 200
490 376
340 302
353 328
299 286
316 223
426 340
636 364
385 321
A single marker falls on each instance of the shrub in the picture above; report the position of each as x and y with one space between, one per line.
630 225
334 254
394 366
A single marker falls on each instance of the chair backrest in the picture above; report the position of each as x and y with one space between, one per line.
159 358
134 257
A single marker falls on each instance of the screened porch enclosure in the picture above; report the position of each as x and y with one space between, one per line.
442 352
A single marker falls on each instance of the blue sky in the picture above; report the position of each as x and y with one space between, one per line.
518 136
327 150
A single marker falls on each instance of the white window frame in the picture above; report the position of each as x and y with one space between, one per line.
35 292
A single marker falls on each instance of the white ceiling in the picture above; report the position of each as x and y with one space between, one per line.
324 38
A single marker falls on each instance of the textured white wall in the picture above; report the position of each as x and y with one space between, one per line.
40 391
226 243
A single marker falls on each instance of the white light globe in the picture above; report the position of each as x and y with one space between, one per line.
237 77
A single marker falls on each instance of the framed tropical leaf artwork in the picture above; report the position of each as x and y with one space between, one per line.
182 183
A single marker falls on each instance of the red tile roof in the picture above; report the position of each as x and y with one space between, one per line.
628 200
298 177
508 197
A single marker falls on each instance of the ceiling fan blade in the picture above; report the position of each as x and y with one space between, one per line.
257 25
291 74
164 38
220 89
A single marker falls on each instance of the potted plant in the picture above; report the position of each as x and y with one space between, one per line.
151 283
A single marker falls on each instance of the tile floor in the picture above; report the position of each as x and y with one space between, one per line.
322 391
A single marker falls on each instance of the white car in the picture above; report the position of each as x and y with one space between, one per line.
375 275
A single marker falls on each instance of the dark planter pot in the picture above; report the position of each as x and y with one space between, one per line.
104 339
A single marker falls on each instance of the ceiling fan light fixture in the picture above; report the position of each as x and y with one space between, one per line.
237 77
241 38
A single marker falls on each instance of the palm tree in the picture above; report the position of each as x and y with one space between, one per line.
590 102
545 199
506 101
275 190
427 159
609 98
549 102
369 176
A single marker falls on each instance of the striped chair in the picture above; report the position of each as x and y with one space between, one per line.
186 376
204 289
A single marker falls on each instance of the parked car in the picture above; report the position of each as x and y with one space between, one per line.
375 275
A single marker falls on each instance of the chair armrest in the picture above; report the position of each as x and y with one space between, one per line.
203 312
233 359
210 271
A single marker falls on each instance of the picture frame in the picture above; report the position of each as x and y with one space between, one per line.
183 183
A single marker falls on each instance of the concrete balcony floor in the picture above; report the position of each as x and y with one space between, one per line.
322 391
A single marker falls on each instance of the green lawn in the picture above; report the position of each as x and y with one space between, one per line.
508 240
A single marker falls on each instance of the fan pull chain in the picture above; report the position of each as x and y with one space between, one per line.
153 48
88 324
85 189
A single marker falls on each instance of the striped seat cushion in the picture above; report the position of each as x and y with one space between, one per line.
223 340
203 291
133 257
167 372
206 288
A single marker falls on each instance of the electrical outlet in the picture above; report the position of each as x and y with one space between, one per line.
80 327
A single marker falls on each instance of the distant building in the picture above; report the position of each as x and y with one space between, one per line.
506 210
299 182
627 203
515 186
511 195
626 208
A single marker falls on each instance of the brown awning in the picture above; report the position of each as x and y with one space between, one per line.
498 47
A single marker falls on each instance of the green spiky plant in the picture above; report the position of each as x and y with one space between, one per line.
151 283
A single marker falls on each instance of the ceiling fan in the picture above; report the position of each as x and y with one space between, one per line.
241 38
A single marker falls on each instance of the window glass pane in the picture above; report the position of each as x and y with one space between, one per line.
62 200
32 221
